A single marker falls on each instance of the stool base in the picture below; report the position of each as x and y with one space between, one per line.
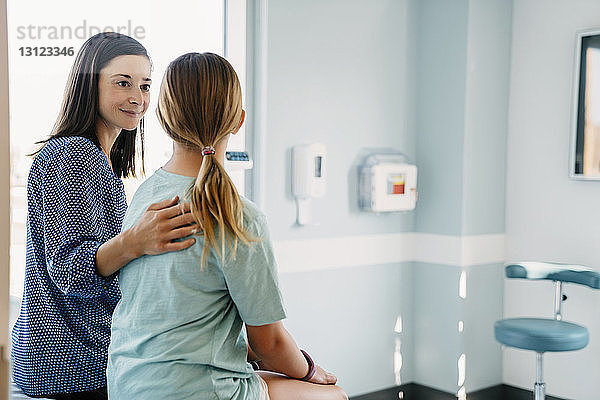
539 391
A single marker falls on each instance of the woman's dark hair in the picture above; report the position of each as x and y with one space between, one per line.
80 110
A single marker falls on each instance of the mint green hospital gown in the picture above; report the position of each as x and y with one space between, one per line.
177 330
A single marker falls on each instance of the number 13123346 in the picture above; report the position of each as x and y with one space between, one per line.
46 51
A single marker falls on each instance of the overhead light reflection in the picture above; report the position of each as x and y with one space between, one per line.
398 362
398 326
462 285
462 361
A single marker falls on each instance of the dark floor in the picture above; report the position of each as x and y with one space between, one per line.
413 391
409 391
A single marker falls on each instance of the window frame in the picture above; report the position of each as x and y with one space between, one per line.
4 201
235 47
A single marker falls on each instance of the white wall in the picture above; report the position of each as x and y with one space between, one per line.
548 216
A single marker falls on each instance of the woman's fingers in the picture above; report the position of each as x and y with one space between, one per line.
163 204
164 222
175 210
182 232
176 246
170 208
181 220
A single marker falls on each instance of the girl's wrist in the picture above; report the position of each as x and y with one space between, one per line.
255 364
311 367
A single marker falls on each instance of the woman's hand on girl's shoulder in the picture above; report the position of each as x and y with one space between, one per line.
160 225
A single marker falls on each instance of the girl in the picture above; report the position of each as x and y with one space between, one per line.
76 206
177 332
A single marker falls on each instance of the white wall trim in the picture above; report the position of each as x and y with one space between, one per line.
340 252
351 251
259 99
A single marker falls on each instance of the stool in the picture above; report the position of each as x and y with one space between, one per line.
546 335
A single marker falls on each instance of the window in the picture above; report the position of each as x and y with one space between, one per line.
42 42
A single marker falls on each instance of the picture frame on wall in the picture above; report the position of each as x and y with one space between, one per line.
584 161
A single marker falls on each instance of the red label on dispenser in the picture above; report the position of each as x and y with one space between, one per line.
395 184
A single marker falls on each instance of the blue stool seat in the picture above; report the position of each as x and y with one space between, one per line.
540 334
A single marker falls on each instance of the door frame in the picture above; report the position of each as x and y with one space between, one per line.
4 203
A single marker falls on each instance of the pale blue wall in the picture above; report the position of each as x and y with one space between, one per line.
340 73
441 82
486 116
462 101
463 81
437 311
346 319
399 74
482 308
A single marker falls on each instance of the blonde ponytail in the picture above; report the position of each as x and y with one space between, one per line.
215 201
200 104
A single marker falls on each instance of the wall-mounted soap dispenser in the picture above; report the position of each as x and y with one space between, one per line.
308 178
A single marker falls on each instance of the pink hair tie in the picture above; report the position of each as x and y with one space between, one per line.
208 150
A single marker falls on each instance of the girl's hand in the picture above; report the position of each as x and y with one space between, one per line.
323 377
160 224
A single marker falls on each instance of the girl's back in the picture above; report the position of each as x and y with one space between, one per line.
177 332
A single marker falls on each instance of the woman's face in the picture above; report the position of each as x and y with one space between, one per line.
124 91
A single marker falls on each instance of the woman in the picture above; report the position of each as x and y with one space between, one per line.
76 204
177 331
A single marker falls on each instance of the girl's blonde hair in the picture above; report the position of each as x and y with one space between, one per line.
200 103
